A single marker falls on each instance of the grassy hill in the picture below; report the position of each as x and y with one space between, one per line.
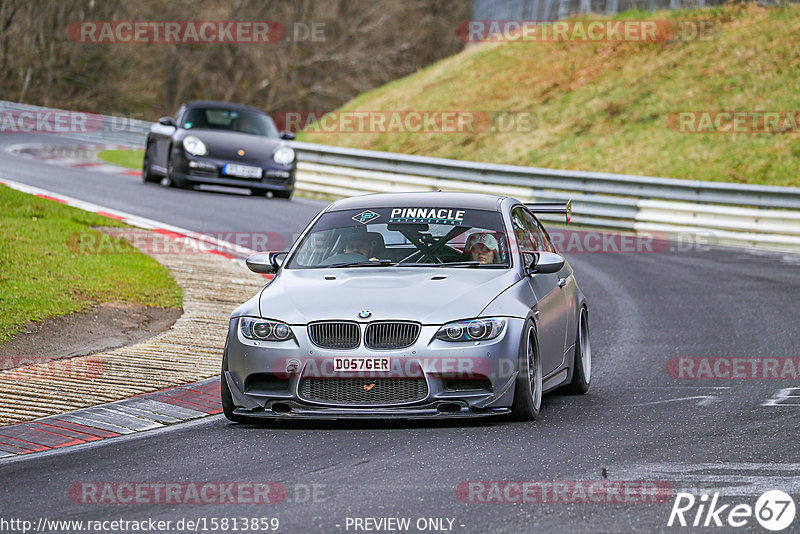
606 106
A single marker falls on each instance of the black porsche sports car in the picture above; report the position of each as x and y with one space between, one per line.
220 143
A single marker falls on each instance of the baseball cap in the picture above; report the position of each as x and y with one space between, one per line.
484 238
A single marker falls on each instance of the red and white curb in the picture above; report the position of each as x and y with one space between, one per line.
137 414
75 156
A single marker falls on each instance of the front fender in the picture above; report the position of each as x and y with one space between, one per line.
513 302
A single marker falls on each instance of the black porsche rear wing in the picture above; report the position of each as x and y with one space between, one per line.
552 207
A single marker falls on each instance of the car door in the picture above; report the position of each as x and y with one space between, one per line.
566 281
547 298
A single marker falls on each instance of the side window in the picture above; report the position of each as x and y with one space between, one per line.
524 232
540 240
547 244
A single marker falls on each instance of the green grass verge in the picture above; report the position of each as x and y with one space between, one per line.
42 277
604 106
131 159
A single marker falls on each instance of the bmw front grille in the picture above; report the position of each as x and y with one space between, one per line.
335 334
391 335
381 335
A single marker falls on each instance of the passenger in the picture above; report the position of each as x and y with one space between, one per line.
482 247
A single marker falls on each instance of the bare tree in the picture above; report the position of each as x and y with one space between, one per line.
357 46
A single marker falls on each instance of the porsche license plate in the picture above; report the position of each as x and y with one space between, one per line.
361 364
241 171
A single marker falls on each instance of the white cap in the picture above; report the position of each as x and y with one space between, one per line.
482 237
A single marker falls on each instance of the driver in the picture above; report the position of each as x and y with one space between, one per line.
482 247
247 124
358 245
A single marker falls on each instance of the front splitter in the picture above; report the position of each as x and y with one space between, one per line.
302 411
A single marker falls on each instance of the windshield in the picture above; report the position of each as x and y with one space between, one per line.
405 237
228 119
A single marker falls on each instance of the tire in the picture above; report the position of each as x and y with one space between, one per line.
170 180
582 362
283 194
528 388
227 400
147 174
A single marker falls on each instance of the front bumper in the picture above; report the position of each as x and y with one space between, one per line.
208 171
462 379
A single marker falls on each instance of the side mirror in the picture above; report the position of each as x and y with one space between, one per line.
289 136
545 262
167 121
265 262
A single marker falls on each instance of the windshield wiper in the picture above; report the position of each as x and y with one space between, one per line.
470 263
445 264
368 263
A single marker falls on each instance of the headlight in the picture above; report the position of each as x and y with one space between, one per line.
471 330
284 155
194 146
264 330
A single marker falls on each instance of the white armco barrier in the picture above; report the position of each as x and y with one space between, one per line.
732 225
738 214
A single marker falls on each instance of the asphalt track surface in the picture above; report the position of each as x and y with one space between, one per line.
636 423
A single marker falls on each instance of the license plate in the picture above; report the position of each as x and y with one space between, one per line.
242 171
360 364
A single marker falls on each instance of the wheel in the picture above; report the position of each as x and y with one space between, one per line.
582 372
283 194
528 389
147 173
226 398
170 180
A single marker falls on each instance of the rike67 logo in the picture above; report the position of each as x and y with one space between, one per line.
774 510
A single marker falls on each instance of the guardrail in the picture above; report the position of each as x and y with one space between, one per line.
740 214
90 127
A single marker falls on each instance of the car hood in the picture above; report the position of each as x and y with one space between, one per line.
225 144
426 295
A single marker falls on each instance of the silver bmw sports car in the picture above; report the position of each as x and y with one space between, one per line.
410 305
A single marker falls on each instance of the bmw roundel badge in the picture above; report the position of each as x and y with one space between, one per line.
364 314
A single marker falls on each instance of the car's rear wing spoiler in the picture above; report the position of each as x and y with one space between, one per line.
552 207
